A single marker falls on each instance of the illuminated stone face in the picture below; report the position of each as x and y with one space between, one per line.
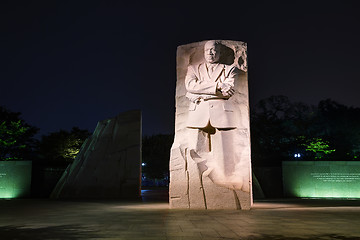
212 52
210 158
321 179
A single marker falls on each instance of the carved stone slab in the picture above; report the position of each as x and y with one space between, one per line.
211 169
108 164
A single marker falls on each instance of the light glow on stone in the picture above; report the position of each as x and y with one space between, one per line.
15 179
321 179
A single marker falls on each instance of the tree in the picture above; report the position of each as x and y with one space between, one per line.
341 126
276 123
60 148
17 140
281 128
156 155
317 146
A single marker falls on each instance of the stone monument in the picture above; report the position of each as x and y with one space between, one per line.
108 165
210 165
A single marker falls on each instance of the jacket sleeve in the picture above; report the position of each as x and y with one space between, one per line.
230 75
197 86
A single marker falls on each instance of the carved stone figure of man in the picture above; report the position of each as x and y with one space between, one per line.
212 119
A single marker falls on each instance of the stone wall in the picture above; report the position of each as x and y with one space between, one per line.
108 164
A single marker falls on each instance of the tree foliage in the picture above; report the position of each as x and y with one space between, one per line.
280 128
61 147
17 140
318 146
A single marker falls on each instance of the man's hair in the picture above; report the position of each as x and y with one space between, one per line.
216 42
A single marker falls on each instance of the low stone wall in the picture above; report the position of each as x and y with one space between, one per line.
321 179
15 179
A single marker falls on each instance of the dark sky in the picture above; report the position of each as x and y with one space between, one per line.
66 64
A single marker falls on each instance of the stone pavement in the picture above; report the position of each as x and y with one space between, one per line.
151 219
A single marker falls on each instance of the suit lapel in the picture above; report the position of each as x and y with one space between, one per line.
217 72
203 71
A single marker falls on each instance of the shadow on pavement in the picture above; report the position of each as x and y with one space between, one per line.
69 232
72 232
315 237
156 194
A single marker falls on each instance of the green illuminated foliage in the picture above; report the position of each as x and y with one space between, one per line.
276 123
318 146
16 137
10 132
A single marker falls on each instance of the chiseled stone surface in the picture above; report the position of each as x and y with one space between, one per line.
210 165
108 164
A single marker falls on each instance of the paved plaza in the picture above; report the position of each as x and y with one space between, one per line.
151 219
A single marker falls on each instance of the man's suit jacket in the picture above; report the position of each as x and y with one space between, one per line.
207 104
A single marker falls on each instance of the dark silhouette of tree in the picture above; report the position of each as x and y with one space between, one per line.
17 140
156 155
276 124
340 125
281 128
60 148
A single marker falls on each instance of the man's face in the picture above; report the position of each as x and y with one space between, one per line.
211 52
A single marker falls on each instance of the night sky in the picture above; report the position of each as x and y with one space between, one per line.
66 64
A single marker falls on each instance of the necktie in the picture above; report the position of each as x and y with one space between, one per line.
211 68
